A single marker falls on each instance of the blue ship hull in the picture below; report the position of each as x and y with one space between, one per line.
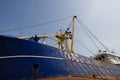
27 60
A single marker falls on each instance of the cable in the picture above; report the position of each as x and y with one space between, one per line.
92 34
85 47
34 25
80 23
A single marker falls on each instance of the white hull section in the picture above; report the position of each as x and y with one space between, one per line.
108 57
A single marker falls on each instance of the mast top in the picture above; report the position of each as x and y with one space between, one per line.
74 16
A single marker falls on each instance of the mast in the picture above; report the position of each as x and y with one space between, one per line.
73 31
62 38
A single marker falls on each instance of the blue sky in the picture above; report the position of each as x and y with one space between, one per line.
102 17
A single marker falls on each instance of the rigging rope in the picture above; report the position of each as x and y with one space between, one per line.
88 31
85 47
25 27
82 25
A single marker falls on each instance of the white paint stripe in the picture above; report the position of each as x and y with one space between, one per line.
29 56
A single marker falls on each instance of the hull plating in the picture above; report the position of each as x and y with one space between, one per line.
21 59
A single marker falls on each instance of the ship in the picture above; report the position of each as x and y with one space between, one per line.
24 58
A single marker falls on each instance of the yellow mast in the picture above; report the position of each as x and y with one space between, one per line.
63 38
73 31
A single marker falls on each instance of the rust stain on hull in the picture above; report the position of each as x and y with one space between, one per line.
78 78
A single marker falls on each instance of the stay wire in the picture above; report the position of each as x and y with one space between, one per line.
85 46
82 25
37 25
93 35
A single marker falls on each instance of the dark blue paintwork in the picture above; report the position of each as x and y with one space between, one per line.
22 68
